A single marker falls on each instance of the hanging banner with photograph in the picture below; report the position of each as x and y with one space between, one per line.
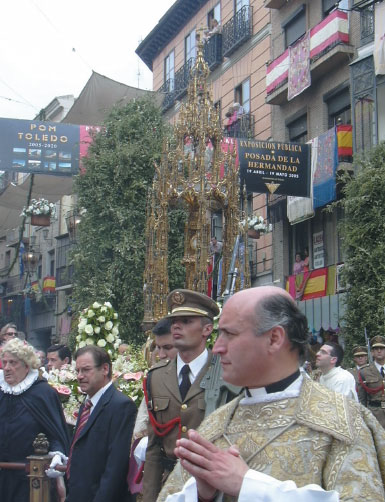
275 167
31 146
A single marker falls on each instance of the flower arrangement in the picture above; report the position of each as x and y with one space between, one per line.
98 325
127 374
258 224
65 382
39 207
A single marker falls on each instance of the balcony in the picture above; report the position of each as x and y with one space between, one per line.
236 31
15 285
242 128
274 4
329 48
167 90
176 88
212 51
182 78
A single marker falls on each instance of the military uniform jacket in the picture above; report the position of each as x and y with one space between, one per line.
354 372
166 405
319 437
372 379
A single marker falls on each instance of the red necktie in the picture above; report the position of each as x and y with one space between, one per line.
82 422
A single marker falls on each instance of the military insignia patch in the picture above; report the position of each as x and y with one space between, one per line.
178 298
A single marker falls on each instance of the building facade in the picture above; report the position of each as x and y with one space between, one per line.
236 44
342 96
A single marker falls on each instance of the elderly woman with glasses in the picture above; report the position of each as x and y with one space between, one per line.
28 406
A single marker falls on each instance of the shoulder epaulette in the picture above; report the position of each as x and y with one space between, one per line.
160 364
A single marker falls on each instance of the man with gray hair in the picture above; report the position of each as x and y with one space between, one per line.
287 438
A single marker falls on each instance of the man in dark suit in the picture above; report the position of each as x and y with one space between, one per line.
175 398
98 460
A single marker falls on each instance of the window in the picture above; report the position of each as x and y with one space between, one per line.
329 5
242 95
214 13
367 25
169 71
40 269
190 46
298 129
295 26
241 3
7 258
51 263
339 110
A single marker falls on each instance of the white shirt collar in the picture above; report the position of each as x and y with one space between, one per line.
379 366
95 398
21 387
261 396
195 365
331 373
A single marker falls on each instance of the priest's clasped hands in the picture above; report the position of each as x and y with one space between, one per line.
214 469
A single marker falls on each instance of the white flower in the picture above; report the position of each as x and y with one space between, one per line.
115 315
82 344
101 318
108 304
82 323
90 313
96 305
110 338
101 343
108 325
89 329
103 309
97 330
90 341
78 338
115 331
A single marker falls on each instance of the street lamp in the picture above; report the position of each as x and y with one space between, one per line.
30 260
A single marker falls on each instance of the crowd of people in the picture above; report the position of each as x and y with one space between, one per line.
295 432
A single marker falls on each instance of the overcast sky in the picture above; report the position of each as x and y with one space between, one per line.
48 48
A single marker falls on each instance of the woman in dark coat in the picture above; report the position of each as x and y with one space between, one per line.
28 406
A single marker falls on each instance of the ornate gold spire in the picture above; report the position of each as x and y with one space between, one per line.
196 172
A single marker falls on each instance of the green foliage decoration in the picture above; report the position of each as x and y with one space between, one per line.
110 252
363 238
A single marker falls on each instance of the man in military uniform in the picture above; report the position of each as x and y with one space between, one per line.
360 358
175 399
371 381
287 438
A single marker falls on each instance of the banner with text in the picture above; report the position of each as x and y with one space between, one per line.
275 167
31 146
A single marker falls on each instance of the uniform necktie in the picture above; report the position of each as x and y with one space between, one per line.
382 372
185 383
82 422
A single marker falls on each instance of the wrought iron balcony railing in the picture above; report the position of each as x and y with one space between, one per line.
236 31
242 128
167 90
212 51
182 78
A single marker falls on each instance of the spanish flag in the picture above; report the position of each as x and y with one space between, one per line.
316 284
345 140
49 284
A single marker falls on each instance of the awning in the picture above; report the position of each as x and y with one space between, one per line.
326 312
14 197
